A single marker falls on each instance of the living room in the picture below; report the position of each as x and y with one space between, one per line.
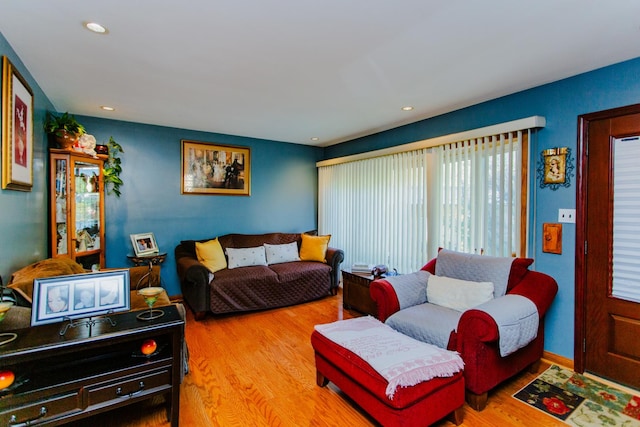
284 175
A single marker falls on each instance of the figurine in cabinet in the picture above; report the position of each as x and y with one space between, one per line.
61 207
62 238
85 241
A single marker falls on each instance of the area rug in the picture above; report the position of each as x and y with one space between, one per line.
581 401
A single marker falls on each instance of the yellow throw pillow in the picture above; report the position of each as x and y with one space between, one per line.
211 255
314 248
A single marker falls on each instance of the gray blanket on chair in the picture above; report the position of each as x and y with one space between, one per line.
411 289
475 268
517 319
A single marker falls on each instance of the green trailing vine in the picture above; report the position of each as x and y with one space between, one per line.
112 168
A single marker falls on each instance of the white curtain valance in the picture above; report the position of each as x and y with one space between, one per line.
532 122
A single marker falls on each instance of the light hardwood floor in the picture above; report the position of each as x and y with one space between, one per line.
258 369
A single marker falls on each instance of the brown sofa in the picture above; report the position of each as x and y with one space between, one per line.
255 287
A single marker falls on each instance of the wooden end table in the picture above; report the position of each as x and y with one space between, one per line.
155 259
355 292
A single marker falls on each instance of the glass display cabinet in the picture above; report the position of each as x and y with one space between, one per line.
77 207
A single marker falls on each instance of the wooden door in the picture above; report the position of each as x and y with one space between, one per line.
607 327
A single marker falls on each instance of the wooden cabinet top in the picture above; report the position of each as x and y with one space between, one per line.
41 339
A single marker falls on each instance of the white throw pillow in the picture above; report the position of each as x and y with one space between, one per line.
277 254
457 294
245 257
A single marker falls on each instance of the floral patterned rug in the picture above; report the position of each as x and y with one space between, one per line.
581 401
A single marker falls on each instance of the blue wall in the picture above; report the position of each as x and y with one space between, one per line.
561 103
23 215
283 191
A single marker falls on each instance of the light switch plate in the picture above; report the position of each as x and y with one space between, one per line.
567 215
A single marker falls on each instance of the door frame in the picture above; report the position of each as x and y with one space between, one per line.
579 351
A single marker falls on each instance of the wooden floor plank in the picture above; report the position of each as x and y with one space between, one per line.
257 369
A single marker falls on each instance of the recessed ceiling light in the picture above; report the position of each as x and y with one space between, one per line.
107 108
95 27
315 138
407 108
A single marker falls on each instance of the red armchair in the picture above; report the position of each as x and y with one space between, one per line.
476 336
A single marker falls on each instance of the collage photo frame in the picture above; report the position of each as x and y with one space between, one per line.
60 298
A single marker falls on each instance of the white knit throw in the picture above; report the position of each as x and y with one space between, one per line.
399 359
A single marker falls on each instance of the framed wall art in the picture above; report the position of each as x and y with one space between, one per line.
17 130
209 168
60 298
555 168
144 244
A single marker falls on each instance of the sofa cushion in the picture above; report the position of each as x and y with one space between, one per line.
211 255
457 294
242 289
475 268
246 257
426 322
277 254
314 248
302 270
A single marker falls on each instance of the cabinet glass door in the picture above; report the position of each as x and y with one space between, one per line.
87 207
61 206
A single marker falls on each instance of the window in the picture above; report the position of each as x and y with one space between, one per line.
626 208
479 197
376 210
465 192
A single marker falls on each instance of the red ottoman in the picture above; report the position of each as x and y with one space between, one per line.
418 405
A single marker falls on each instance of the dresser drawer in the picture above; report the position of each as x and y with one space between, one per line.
43 410
128 387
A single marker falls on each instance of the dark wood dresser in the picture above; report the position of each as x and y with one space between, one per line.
91 370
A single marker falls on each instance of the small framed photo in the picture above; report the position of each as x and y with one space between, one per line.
80 295
215 169
144 244
17 130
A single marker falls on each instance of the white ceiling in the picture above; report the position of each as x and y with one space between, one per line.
289 70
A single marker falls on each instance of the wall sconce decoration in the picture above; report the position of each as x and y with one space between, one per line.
555 168
552 238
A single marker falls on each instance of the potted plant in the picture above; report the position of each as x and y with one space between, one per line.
112 168
64 129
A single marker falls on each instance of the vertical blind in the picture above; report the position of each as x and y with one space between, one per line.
398 209
626 226
478 195
376 209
